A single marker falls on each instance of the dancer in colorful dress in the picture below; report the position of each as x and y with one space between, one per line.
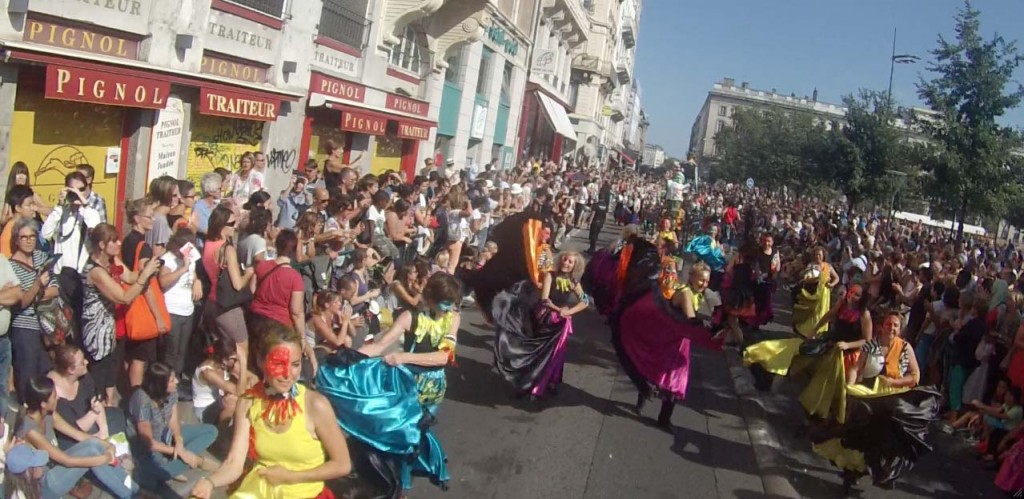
707 249
652 335
533 327
887 417
289 434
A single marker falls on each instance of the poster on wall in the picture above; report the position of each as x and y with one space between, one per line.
165 141
479 122
217 142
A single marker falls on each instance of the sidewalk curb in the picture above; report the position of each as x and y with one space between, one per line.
767 450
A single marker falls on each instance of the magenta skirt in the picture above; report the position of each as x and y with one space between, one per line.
657 340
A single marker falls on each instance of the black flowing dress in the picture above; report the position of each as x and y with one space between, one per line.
528 332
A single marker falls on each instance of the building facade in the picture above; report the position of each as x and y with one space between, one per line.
653 156
725 97
561 30
602 77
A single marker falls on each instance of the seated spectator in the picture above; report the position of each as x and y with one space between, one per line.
79 402
90 454
998 419
406 288
332 325
164 448
217 384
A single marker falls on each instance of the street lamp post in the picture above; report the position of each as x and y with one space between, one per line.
893 61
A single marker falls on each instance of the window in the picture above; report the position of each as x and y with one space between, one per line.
765 114
454 71
721 126
574 94
407 54
273 8
341 24
485 71
506 83
723 110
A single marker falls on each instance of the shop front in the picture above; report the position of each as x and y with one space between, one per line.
547 130
387 127
83 97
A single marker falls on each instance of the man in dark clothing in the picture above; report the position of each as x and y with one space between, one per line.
604 200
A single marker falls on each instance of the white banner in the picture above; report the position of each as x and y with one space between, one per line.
165 142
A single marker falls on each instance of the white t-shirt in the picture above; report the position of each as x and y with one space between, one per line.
938 311
378 218
204 395
179 297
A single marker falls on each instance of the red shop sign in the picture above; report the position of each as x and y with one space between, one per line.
365 123
407 105
334 87
410 131
237 105
98 87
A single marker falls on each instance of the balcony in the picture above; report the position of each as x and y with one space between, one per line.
344 26
272 8
628 33
623 70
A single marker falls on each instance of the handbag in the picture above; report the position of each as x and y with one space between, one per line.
229 298
140 319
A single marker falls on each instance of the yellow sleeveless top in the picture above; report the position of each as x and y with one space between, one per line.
294 449
697 298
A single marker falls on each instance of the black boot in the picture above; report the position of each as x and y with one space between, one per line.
641 401
665 415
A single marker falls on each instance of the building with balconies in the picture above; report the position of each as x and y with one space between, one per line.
601 70
561 30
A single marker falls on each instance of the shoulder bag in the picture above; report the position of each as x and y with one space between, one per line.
140 320
229 298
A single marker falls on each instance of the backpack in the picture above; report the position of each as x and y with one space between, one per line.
60 319
317 275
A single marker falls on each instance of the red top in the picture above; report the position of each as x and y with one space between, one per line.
730 215
274 292
212 266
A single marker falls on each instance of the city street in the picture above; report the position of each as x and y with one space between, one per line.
586 442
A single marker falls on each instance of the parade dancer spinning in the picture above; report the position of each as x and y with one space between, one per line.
533 327
655 328
708 250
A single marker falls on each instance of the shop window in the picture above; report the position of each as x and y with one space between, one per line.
454 71
326 126
485 70
408 53
52 137
273 8
444 145
506 83
387 154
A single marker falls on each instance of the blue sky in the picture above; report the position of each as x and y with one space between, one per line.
836 46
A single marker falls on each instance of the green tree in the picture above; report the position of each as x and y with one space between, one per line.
971 167
775 149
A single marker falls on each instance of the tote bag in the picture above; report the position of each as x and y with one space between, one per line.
140 320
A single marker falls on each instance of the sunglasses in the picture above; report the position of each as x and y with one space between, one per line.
232 223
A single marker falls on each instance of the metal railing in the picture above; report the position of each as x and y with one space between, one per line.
273 8
343 25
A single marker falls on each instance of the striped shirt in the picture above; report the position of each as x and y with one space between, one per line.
25 318
873 349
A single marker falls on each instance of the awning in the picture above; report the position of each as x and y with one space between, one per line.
140 69
557 116
626 158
